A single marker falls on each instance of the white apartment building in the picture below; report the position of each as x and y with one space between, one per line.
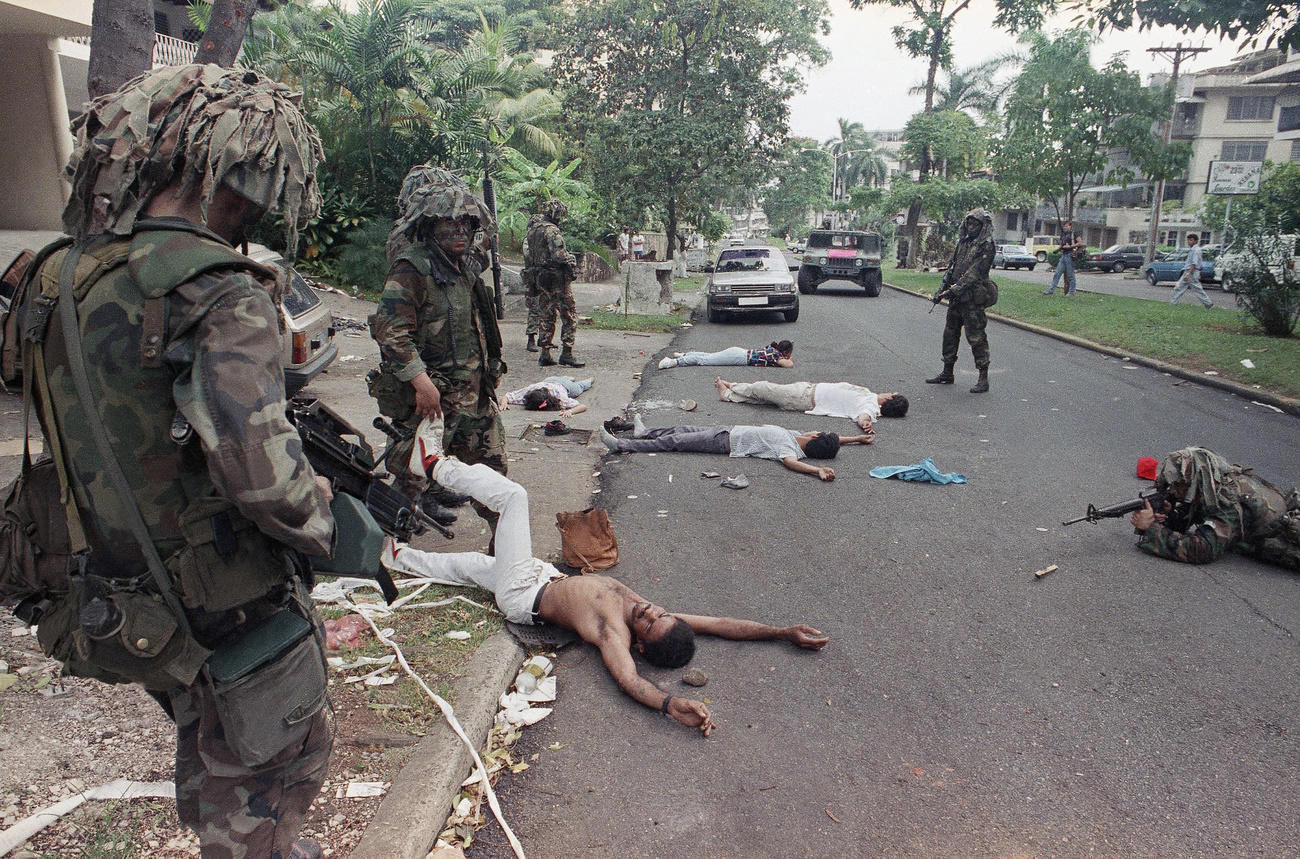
44 51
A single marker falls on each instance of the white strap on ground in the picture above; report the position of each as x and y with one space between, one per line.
23 831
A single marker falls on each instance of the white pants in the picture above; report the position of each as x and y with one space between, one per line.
514 576
792 397
1191 279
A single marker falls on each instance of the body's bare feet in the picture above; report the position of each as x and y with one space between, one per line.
723 386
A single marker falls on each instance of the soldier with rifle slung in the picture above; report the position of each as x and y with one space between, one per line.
550 270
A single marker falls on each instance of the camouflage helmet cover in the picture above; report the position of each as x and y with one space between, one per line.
1195 475
985 229
434 192
553 210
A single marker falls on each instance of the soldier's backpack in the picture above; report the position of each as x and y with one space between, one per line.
11 346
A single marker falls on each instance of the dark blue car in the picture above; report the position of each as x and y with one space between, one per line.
1171 267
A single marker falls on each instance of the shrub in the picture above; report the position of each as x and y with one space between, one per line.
361 263
1271 298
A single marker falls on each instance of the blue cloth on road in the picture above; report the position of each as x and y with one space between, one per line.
924 471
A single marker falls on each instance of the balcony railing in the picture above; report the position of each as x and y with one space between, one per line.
1185 128
167 50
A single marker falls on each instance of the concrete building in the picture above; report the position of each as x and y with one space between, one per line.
45 52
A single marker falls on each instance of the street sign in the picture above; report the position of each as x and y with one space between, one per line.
1234 177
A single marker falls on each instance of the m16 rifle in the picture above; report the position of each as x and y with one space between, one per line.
1151 496
339 453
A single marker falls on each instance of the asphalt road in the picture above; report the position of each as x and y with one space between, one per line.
1121 706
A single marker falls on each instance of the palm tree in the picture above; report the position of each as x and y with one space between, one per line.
972 89
855 159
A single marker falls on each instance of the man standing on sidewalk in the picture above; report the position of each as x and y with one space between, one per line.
1191 278
1070 242
552 270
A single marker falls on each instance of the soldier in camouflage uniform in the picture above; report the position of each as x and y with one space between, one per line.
552 270
182 343
439 343
967 286
1218 507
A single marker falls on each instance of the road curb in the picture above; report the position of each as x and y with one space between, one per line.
1286 404
417 804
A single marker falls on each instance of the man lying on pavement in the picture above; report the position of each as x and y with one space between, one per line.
602 610
830 399
764 442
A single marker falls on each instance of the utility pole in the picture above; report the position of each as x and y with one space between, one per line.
1175 55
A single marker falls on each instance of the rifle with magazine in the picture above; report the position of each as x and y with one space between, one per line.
1151 496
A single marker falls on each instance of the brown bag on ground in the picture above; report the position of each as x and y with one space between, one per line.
587 540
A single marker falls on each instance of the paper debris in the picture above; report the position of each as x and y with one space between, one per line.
457 635
363 789
1247 363
1051 569
1211 372
1267 406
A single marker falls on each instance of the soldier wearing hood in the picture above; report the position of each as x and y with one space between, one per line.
1215 507
550 270
967 286
161 395
436 325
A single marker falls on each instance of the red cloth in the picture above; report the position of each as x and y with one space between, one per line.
1147 468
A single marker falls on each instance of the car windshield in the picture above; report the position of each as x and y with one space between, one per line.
1015 249
749 259
856 241
1176 255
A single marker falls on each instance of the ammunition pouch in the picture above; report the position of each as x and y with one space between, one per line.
270 683
225 561
395 398
985 294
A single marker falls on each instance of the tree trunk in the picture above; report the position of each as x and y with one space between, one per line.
914 210
227 26
121 43
672 227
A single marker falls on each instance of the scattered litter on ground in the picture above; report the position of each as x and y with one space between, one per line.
362 789
1256 351
25 829
345 323
1247 363
1049 569
1040 529
687 405
924 471
344 632
1211 372
709 474
457 635
738 481
1267 406
344 359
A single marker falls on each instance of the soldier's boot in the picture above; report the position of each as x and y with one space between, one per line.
305 848
444 496
435 511
545 359
983 384
944 378
567 359
532 343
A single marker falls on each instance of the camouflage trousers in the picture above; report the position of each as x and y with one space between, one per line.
556 296
1281 547
472 433
530 302
242 812
966 314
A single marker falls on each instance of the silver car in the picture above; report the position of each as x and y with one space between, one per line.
749 280
308 325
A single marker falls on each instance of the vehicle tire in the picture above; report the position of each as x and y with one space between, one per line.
715 315
807 282
792 314
1151 277
1118 267
871 283
1041 256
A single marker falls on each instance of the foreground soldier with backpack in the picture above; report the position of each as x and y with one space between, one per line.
152 359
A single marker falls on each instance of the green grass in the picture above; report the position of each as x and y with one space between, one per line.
1186 335
690 284
608 320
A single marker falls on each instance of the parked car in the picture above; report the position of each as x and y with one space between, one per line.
1041 246
1014 256
1279 253
1171 267
796 247
308 325
843 255
1115 258
749 280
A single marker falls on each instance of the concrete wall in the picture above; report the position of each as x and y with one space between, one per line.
34 138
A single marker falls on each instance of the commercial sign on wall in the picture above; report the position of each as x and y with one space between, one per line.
1234 177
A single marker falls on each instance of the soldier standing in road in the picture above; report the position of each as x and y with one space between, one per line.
177 350
553 270
439 344
967 286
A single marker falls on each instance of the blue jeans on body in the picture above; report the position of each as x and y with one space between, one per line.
736 356
683 438
1066 266
573 386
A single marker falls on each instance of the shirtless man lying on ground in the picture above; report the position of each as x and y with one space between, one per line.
832 399
602 610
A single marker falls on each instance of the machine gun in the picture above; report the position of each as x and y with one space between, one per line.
349 465
1151 496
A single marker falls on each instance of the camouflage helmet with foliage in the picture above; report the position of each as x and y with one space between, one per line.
198 126
553 210
985 231
433 192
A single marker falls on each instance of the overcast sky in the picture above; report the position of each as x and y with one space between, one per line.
867 77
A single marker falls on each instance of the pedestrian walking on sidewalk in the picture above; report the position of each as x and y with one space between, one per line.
1191 278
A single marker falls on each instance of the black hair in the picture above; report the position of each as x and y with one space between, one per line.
538 400
673 649
823 446
894 407
785 347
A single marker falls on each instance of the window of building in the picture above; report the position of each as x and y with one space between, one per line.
160 24
1288 118
1013 218
1295 150
1244 150
1250 107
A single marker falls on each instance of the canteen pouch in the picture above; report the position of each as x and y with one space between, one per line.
396 399
268 685
225 560
986 294
587 540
